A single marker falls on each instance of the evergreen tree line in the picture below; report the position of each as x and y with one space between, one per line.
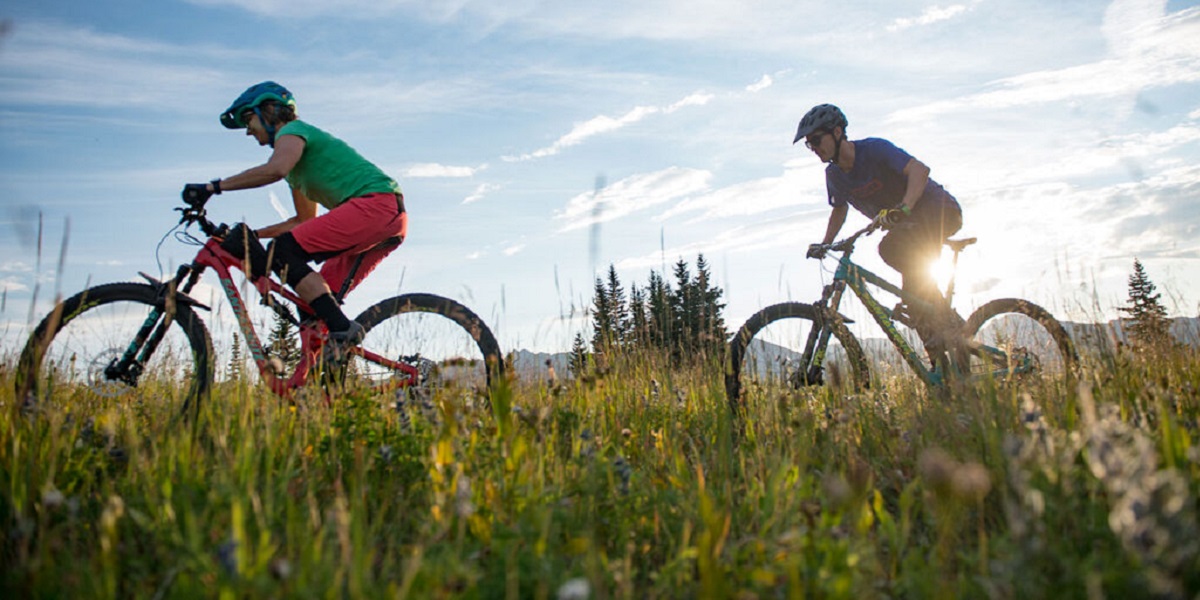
680 320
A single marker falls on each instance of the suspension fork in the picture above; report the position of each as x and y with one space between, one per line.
818 339
128 368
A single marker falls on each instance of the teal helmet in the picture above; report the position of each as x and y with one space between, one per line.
251 98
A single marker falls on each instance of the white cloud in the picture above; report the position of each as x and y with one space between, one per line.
12 284
1148 53
436 170
605 124
801 184
630 195
930 15
760 85
513 249
481 191
47 63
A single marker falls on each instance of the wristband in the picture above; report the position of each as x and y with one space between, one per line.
903 208
216 183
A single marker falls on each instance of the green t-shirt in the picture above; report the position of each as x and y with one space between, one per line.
331 172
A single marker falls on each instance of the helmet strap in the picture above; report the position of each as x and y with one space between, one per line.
837 146
268 126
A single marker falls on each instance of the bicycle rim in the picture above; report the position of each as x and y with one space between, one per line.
426 343
1021 339
765 354
69 361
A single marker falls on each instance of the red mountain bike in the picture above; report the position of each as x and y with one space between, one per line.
143 339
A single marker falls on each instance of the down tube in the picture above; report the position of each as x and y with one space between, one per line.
856 278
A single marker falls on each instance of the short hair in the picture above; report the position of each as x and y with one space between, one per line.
277 113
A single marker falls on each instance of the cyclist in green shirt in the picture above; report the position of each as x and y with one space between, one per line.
365 217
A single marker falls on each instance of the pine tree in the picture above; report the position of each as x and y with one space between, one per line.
620 311
603 332
659 312
711 332
686 307
1148 323
237 362
579 356
638 328
283 342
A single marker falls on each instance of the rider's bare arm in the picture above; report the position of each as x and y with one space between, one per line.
288 149
837 217
917 175
305 209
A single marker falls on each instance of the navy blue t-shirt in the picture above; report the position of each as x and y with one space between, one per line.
877 179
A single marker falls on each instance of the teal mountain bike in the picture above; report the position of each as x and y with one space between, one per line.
1003 338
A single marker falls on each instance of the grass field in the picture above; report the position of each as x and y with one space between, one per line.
628 485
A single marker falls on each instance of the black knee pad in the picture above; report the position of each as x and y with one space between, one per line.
289 260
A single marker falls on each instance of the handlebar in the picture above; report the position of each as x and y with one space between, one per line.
194 213
846 244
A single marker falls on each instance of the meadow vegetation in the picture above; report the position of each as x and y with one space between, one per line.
627 482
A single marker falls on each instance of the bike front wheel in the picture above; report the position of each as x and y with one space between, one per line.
426 341
768 349
1017 337
117 342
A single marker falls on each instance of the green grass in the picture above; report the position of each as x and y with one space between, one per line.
621 486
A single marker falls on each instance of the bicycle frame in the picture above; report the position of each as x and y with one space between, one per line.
312 333
849 274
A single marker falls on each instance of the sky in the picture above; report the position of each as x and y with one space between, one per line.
539 142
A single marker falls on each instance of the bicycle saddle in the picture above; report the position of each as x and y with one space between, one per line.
958 245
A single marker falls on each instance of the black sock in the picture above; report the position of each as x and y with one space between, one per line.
328 310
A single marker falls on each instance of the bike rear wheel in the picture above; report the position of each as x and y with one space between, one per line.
763 353
448 345
1022 339
78 355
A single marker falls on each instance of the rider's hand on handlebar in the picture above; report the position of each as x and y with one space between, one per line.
196 194
889 217
816 251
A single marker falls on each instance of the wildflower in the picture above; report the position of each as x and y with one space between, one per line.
575 589
937 470
624 472
280 568
462 498
226 557
971 481
52 498
837 490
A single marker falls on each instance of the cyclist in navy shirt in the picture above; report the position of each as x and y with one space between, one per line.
891 187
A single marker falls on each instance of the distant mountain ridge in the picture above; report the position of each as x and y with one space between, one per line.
879 350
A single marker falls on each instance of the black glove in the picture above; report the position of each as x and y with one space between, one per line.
196 194
815 251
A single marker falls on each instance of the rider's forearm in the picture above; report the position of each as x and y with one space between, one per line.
264 174
836 219
918 177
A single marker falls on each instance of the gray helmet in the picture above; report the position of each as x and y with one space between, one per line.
821 116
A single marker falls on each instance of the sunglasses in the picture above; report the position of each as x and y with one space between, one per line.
813 141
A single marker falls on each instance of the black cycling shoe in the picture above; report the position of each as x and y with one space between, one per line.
338 344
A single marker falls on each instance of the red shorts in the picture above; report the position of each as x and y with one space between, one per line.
355 228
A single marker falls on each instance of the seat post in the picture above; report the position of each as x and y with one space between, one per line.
956 246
